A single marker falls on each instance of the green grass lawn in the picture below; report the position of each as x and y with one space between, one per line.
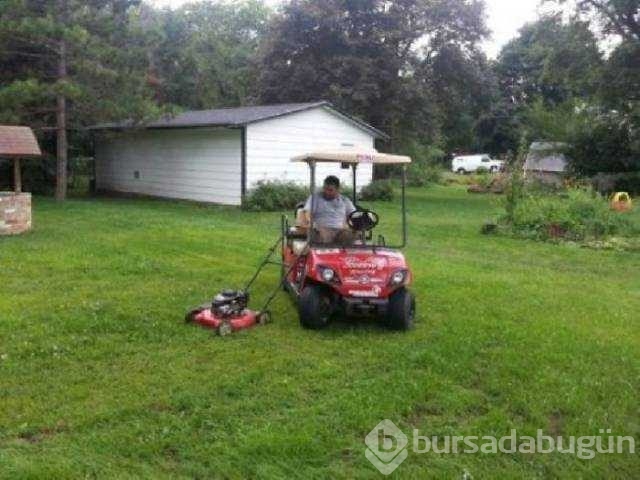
100 377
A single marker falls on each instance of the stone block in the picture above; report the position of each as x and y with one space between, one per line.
15 213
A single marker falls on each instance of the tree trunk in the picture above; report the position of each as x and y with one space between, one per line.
17 176
61 121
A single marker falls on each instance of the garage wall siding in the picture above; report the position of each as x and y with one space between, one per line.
192 164
271 144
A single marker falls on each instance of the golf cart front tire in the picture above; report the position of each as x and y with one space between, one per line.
314 307
401 310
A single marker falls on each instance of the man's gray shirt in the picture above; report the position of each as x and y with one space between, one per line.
329 213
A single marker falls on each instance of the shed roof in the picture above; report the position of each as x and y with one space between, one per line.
16 141
235 117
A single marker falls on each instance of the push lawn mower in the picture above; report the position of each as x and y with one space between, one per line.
229 310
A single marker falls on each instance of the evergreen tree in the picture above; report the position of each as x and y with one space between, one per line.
69 63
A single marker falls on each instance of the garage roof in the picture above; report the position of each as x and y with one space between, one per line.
18 141
235 117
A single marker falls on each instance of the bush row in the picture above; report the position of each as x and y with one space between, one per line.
277 195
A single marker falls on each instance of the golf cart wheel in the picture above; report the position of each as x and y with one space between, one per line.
314 307
401 310
461 171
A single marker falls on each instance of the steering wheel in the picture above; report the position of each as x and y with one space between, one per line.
362 220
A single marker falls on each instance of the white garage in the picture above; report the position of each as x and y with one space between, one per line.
219 155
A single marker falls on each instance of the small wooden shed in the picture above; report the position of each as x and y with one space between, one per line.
16 142
546 162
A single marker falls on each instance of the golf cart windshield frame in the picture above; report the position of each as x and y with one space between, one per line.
310 234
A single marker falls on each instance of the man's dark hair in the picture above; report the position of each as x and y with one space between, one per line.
332 180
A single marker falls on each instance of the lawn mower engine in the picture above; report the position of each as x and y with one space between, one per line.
228 313
230 303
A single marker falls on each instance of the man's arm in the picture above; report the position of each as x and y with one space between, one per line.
349 207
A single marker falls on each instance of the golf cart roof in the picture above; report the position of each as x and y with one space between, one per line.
352 157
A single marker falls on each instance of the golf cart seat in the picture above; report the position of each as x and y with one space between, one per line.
300 228
297 234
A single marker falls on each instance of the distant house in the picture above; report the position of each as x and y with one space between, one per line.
546 162
218 155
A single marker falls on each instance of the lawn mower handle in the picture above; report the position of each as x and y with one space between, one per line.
265 261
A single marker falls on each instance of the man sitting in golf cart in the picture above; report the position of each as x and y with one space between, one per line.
330 211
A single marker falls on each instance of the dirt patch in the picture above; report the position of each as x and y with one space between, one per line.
423 411
556 424
39 435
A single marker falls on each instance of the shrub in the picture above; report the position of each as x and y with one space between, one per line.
433 174
377 190
449 178
484 179
426 164
576 214
422 174
415 176
275 195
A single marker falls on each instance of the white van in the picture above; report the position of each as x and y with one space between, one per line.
471 163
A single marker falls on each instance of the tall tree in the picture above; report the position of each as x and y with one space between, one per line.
367 56
620 86
72 63
464 88
617 17
203 55
550 60
543 74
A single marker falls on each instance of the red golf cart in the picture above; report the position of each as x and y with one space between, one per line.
365 277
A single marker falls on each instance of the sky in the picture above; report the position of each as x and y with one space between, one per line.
504 18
